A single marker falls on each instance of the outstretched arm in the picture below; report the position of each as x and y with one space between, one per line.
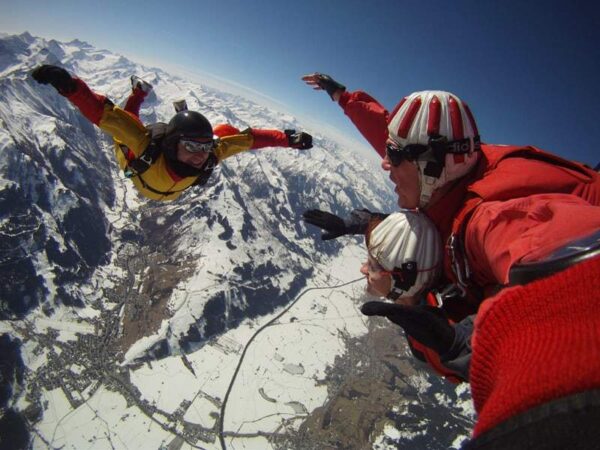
276 138
98 109
368 116
366 113
536 344
233 141
88 102
334 226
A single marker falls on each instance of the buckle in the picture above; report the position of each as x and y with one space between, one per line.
458 261
450 291
146 158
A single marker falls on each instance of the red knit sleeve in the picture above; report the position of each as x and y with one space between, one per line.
268 138
368 116
536 343
88 102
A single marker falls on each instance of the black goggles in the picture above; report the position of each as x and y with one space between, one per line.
436 151
197 147
411 152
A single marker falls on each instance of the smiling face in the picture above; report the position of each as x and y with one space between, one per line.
406 178
195 160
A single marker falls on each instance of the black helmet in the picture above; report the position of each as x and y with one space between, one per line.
189 124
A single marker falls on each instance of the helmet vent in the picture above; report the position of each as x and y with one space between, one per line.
455 119
433 120
471 119
409 117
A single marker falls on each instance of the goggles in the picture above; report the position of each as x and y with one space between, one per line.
411 152
435 151
197 147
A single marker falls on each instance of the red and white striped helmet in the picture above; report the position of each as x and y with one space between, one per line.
430 115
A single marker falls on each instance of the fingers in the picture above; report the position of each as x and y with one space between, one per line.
311 77
361 214
312 213
313 80
380 309
327 236
39 74
316 216
314 85
332 226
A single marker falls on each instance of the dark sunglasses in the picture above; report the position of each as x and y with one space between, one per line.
197 147
434 152
411 152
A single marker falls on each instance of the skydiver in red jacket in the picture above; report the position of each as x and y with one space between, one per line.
431 147
497 208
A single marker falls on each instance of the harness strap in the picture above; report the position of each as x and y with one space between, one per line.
200 180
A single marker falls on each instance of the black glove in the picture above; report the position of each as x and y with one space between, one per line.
325 82
426 324
58 77
335 226
301 141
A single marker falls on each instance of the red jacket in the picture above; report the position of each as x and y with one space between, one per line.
515 200
503 173
512 205
534 343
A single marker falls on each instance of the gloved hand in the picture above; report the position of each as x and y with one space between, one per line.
58 77
301 140
334 226
426 324
320 81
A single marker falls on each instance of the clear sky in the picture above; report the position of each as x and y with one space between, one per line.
528 69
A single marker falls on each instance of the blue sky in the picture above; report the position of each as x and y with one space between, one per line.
529 70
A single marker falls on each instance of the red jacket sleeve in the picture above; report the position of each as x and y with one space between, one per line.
88 102
369 117
503 233
224 129
269 138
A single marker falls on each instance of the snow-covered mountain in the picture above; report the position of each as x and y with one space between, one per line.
103 291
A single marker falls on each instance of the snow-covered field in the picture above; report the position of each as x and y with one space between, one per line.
276 387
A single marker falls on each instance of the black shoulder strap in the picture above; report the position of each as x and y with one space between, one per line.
207 170
151 153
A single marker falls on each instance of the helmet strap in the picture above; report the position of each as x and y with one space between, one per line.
441 146
430 176
433 169
403 279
